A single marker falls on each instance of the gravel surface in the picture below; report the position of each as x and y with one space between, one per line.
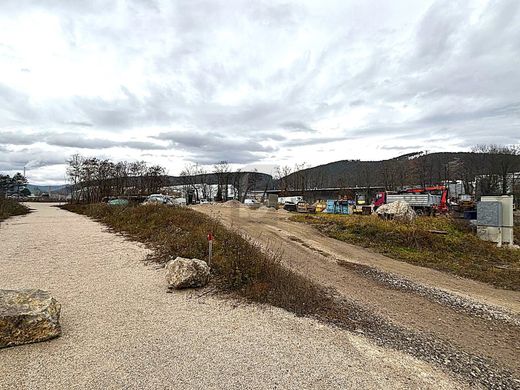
445 298
476 369
122 330
463 325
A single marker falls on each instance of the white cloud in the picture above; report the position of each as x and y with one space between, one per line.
262 83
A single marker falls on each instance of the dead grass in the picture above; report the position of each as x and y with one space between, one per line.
9 208
459 252
238 264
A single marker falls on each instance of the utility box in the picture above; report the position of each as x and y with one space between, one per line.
495 219
272 200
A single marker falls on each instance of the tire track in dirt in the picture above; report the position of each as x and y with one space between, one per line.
475 334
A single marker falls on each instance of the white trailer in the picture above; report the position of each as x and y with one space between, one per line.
289 199
421 203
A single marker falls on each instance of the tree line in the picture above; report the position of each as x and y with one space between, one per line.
486 170
14 184
93 179
221 183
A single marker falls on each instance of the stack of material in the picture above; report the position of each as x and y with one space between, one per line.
397 210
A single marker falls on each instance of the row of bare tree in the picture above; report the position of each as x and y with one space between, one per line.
198 180
92 179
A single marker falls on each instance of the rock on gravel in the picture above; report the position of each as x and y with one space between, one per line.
186 273
28 316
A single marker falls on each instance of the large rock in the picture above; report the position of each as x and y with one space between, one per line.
185 273
28 316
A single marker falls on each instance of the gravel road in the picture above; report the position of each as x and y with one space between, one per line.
473 318
122 330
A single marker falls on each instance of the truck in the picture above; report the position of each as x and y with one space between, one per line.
420 199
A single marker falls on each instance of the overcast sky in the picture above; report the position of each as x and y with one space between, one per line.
257 83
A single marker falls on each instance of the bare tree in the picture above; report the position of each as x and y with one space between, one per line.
74 176
155 176
93 179
497 164
282 174
190 179
221 171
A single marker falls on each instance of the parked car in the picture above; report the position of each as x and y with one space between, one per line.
118 202
159 199
250 202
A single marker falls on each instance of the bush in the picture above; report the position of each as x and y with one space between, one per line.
9 208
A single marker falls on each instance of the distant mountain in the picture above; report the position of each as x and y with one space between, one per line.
57 188
406 170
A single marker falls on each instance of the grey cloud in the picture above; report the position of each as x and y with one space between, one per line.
32 158
437 29
357 102
211 147
15 107
300 126
73 140
20 138
456 116
313 141
267 135
79 123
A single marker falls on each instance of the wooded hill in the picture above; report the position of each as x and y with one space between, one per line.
412 169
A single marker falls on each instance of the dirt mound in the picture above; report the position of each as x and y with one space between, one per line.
232 203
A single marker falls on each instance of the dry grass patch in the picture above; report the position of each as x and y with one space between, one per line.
9 208
459 251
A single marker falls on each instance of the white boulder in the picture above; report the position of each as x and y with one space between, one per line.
186 273
397 210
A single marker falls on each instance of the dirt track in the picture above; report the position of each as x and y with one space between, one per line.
343 267
122 330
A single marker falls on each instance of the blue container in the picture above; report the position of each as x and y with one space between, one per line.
331 208
337 206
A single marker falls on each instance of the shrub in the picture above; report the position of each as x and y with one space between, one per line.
9 207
